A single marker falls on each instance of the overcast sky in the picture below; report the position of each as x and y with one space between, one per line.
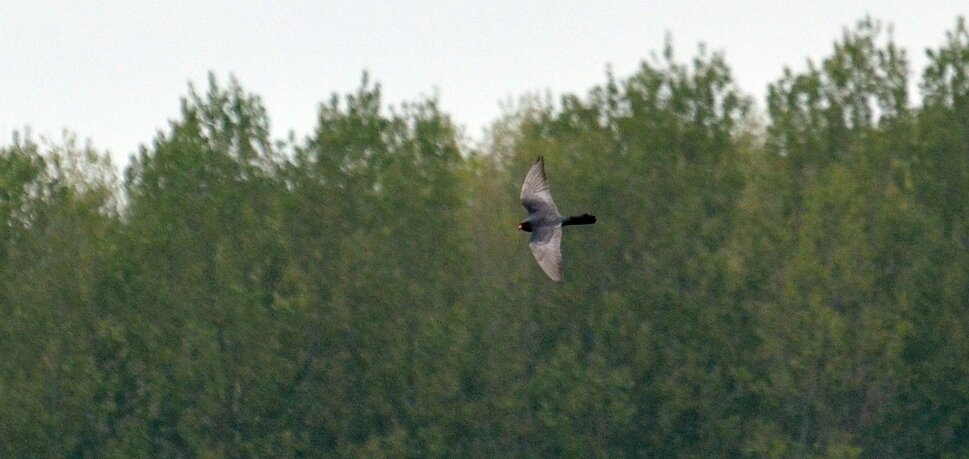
113 71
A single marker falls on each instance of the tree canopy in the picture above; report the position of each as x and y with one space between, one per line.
784 282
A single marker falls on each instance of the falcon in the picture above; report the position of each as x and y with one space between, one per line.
544 221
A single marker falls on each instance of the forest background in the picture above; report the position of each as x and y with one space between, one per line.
786 281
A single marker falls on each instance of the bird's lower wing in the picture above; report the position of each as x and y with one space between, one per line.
545 245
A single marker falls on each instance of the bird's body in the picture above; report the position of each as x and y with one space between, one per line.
544 221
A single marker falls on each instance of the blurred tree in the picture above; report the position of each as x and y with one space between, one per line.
205 254
59 218
377 226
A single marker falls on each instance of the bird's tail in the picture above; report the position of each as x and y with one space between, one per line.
584 219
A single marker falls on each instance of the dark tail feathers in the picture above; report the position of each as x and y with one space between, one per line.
584 219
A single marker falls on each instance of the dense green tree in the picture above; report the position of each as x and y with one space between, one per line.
59 225
204 252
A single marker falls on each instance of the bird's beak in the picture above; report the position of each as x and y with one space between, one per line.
519 226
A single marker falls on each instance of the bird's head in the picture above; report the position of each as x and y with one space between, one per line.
525 226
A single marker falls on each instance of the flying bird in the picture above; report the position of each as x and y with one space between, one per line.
544 221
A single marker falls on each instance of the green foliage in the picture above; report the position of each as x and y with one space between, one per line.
797 290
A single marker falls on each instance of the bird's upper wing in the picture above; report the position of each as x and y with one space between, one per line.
545 244
535 194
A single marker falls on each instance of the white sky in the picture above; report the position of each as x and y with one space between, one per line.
113 71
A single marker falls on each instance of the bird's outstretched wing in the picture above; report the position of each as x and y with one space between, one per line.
535 194
546 248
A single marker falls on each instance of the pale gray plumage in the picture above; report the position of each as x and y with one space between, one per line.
544 221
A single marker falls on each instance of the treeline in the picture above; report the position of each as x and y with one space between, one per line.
784 282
